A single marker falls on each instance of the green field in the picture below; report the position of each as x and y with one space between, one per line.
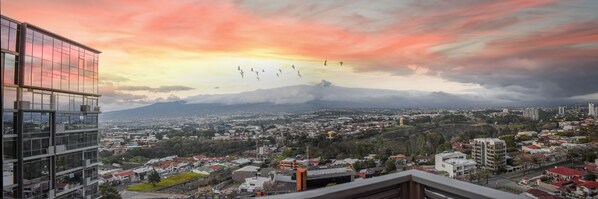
167 182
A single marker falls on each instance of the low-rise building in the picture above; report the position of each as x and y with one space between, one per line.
241 174
563 173
455 163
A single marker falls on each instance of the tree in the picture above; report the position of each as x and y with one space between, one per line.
390 166
590 176
109 192
154 177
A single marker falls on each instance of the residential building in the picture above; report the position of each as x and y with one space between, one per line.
563 173
591 109
561 110
489 152
531 113
455 163
49 114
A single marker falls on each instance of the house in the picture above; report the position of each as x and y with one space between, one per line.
400 158
539 194
533 149
563 173
370 172
588 187
124 176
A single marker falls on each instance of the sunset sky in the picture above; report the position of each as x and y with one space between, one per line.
169 50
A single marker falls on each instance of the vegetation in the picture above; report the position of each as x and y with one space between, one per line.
167 182
590 176
153 177
109 192
390 166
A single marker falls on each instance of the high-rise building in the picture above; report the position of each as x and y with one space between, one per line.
489 152
531 113
49 114
561 110
591 109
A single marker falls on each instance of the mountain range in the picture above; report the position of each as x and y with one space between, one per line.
299 98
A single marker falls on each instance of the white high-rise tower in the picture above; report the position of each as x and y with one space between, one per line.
591 109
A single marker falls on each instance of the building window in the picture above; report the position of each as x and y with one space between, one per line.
9 97
68 181
9 64
8 123
10 148
8 36
69 161
77 140
36 133
77 121
36 174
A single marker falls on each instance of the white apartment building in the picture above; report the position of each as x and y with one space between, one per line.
455 163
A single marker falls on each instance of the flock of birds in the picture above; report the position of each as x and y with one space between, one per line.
257 72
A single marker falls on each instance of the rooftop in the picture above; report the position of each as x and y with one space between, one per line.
459 161
566 171
248 168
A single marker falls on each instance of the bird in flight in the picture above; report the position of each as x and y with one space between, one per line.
341 63
217 87
325 62
277 75
293 66
263 71
242 74
280 70
298 73
251 69
258 78
238 67
257 72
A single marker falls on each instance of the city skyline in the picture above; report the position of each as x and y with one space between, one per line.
154 52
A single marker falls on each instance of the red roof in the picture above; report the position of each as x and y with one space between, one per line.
215 167
200 156
590 185
538 193
532 147
566 171
590 167
125 173
561 183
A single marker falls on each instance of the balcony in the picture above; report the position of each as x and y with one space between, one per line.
408 184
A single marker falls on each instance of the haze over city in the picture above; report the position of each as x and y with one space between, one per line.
503 51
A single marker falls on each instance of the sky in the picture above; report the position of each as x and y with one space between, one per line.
156 51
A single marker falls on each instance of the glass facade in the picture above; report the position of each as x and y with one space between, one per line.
49 114
54 64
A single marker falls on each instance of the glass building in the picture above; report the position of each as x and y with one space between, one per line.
49 114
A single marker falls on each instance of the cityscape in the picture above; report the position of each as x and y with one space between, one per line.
197 99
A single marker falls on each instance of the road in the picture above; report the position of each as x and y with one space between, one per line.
143 195
508 181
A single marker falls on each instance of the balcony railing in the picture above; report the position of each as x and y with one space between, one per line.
408 184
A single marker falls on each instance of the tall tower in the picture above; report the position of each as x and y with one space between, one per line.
561 110
591 109
49 114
